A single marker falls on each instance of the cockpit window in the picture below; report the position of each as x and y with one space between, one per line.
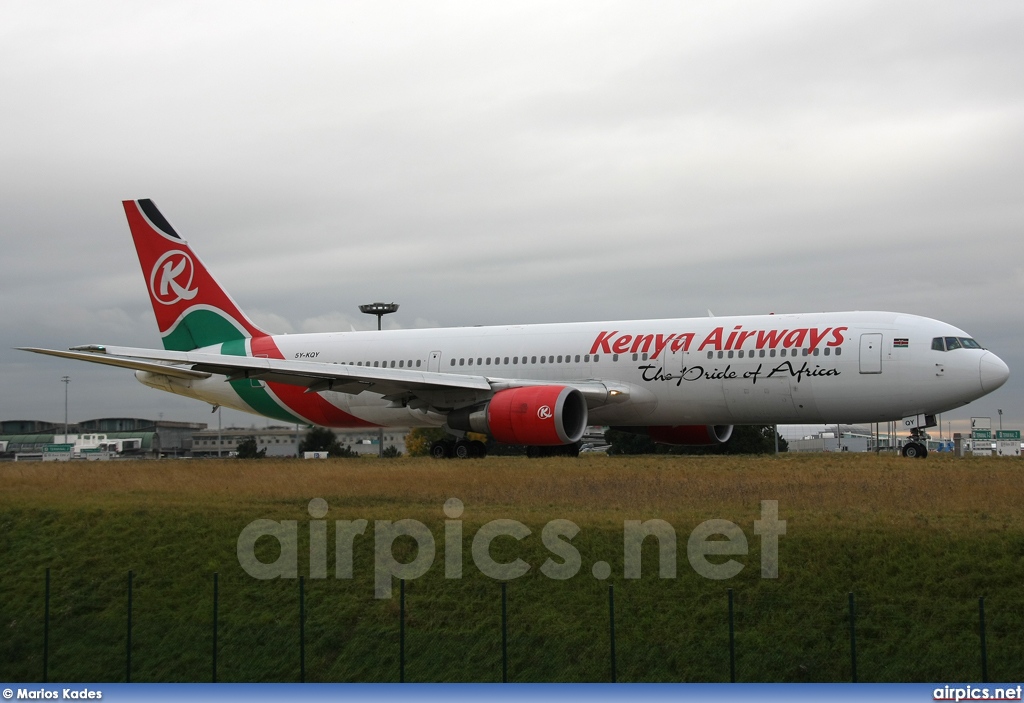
951 343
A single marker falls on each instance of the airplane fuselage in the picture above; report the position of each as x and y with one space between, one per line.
849 367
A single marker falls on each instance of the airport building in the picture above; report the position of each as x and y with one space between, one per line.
156 438
284 441
162 439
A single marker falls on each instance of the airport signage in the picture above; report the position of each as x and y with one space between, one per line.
1007 434
982 434
58 448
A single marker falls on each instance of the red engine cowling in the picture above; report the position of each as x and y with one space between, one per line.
690 435
540 416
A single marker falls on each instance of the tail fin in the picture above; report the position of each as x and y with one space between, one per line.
191 308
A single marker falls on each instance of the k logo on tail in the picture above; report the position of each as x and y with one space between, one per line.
172 267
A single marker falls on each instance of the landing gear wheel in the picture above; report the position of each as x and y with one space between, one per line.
440 449
914 450
463 449
478 450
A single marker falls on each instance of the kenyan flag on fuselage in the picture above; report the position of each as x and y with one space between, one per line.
192 310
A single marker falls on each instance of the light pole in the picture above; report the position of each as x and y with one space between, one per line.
380 310
65 380
1000 411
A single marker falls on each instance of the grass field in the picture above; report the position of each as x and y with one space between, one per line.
918 542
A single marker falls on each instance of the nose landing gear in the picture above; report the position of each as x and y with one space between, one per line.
917 447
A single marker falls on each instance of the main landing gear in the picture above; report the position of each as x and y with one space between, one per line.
474 449
458 449
917 447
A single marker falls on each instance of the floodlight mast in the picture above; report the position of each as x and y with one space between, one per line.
380 310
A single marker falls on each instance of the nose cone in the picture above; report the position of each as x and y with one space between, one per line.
993 372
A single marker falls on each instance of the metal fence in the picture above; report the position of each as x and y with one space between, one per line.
858 638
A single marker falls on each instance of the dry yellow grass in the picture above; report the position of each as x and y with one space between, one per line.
847 488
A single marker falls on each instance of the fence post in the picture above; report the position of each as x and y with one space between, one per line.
46 630
128 644
302 629
504 632
401 631
611 627
853 637
984 652
215 596
732 642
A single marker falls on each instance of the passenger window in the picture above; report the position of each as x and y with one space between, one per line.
761 353
730 353
577 358
401 364
533 360
515 359
741 353
815 351
771 353
615 357
559 358
721 354
470 362
711 355
596 357
462 362
453 361
488 361
543 359
479 361
635 356
506 361
826 351
586 358
839 351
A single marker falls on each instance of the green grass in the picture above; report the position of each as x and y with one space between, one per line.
917 542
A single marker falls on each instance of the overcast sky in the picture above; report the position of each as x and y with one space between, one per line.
505 162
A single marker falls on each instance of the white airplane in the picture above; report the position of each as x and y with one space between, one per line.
681 381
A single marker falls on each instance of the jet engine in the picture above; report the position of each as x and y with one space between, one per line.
532 415
690 435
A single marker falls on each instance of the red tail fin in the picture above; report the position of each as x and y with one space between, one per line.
192 310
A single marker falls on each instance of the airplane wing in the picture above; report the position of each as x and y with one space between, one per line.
423 388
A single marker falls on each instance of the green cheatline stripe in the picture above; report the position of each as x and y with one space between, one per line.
201 328
253 393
